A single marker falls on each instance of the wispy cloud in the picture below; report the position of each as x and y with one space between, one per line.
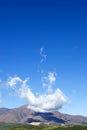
0 80
49 100
1 99
43 55
42 102
0 92
13 81
49 80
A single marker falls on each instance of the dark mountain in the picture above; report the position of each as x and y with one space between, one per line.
24 115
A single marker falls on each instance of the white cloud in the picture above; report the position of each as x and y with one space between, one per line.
49 80
43 55
45 102
12 81
42 102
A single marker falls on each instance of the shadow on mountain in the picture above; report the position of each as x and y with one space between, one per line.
30 120
49 117
42 114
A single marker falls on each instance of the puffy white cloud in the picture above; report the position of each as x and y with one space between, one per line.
47 102
43 55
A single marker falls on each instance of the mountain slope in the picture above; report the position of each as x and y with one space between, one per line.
24 115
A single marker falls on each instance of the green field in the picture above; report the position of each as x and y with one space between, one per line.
6 126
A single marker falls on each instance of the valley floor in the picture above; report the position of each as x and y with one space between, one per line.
9 126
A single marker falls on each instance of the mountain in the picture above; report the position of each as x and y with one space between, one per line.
24 115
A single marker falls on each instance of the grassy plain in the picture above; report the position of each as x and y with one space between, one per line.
10 126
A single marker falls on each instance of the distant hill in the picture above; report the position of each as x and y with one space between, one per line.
24 115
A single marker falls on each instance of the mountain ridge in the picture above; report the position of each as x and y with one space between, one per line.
24 115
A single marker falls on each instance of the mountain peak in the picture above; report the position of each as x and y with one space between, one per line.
24 115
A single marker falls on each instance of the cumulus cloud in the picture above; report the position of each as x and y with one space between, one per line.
46 102
43 55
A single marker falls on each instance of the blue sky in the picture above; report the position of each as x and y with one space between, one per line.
60 27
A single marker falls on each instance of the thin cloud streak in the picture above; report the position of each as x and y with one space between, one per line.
49 80
43 55
1 99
